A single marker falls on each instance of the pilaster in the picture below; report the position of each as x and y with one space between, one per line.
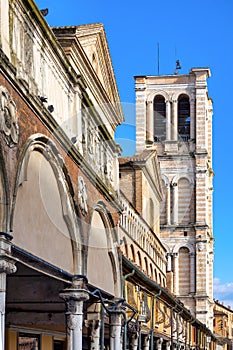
168 120
149 122
7 266
174 120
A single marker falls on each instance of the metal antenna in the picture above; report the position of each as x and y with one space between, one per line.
158 57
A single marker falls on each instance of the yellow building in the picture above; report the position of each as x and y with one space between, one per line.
223 325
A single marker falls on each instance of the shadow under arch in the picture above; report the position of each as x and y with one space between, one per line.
103 249
48 153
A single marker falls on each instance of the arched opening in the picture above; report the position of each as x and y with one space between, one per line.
151 272
44 223
184 271
132 253
139 260
163 205
184 117
159 118
4 215
185 201
146 265
101 255
151 213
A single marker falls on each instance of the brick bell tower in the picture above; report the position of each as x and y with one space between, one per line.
174 116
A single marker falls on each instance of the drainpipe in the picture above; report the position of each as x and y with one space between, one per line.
153 319
124 295
102 329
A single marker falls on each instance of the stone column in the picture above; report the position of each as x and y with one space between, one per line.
174 120
192 272
149 122
168 204
74 298
159 343
176 273
175 203
169 262
168 120
115 330
7 266
134 342
192 118
146 342
94 327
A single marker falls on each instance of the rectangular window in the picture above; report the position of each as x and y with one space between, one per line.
28 341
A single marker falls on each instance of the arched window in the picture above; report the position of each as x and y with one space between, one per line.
126 247
132 253
185 201
151 213
139 260
184 118
159 118
146 265
163 205
151 272
160 280
184 271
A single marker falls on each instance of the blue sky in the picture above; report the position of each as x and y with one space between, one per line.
200 34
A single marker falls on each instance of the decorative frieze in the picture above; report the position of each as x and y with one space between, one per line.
8 118
82 196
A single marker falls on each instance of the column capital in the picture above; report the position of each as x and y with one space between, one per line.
7 263
77 291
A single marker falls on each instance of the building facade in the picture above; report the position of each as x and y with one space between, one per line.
84 263
174 117
61 276
156 319
223 325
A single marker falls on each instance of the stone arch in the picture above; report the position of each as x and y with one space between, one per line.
139 259
42 175
185 198
4 198
132 251
163 203
187 245
179 93
146 266
154 93
184 270
179 176
102 251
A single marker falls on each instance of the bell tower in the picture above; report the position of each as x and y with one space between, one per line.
174 116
